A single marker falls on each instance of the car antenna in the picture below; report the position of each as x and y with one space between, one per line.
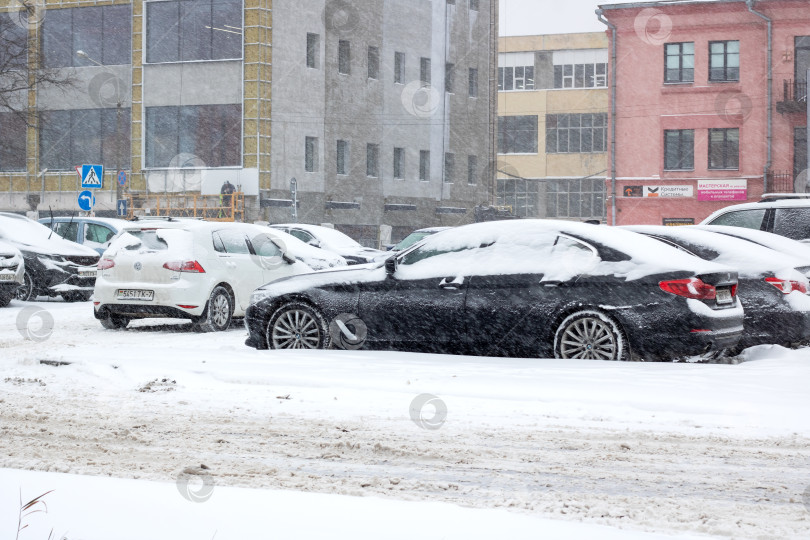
50 210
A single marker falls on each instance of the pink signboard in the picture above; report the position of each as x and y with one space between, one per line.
722 190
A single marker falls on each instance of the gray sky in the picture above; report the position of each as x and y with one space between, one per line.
530 17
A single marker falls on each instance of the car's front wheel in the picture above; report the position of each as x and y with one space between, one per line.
25 291
218 313
590 335
296 325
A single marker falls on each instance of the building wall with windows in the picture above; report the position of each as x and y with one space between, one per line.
379 120
692 105
552 136
382 112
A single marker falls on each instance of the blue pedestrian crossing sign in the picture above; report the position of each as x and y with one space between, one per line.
91 176
87 200
122 207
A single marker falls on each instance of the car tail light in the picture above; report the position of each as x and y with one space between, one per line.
734 290
105 264
184 266
787 286
689 288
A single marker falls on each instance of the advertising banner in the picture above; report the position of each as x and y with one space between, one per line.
722 190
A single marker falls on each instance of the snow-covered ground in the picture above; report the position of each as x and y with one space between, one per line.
532 448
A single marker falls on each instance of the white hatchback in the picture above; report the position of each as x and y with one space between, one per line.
187 269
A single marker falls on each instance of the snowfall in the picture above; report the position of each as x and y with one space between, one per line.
158 432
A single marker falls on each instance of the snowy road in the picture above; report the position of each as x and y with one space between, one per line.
721 450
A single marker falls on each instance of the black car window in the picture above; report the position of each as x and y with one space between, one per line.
67 229
420 254
302 235
235 242
97 233
703 252
750 219
264 246
792 222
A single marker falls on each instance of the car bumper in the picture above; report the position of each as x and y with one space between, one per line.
166 302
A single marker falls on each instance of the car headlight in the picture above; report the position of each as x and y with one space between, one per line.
10 262
259 295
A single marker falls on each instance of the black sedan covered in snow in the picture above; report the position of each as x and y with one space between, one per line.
53 266
529 287
773 286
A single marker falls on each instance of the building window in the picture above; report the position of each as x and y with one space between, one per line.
310 154
679 149
576 133
313 50
517 135
424 165
342 157
724 60
449 77
516 71
473 82
373 160
424 71
580 68
373 63
724 148
68 138
344 57
12 141
474 5
578 198
399 163
103 32
14 49
472 169
181 31
399 67
680 62
212 133
449 167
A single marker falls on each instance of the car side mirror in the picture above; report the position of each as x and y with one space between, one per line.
391 266
314 242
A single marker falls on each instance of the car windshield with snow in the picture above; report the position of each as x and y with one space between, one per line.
773 286
536 288
53 266
187 269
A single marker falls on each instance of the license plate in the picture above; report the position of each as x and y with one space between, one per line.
6 277
135 294
88 273
724 296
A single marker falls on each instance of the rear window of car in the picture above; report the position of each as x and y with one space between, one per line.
750 219
146 240
792 222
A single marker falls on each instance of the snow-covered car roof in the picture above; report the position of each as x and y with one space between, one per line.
780 243
31 235
763 205
748 258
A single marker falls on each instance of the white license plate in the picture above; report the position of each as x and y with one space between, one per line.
88 273
6 277
724 296
135 294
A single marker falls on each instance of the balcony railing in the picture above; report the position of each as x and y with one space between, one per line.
794 97
780 182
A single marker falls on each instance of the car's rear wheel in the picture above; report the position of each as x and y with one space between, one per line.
296 325
114 322
25 291
590 335
76 296
218 313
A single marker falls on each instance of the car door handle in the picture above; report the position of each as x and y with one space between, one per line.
451 285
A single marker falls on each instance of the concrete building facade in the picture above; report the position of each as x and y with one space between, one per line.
552 107
710 106
184 95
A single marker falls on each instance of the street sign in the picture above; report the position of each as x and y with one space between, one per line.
122 178
87 200
92 176
122 207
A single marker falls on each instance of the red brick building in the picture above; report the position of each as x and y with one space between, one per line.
709 105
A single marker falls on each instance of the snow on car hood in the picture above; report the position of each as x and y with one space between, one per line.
340 276
28 235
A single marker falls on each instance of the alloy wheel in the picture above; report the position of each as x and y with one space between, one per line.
588 338
296 329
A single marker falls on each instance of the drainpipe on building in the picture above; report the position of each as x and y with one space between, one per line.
750 4
612 27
